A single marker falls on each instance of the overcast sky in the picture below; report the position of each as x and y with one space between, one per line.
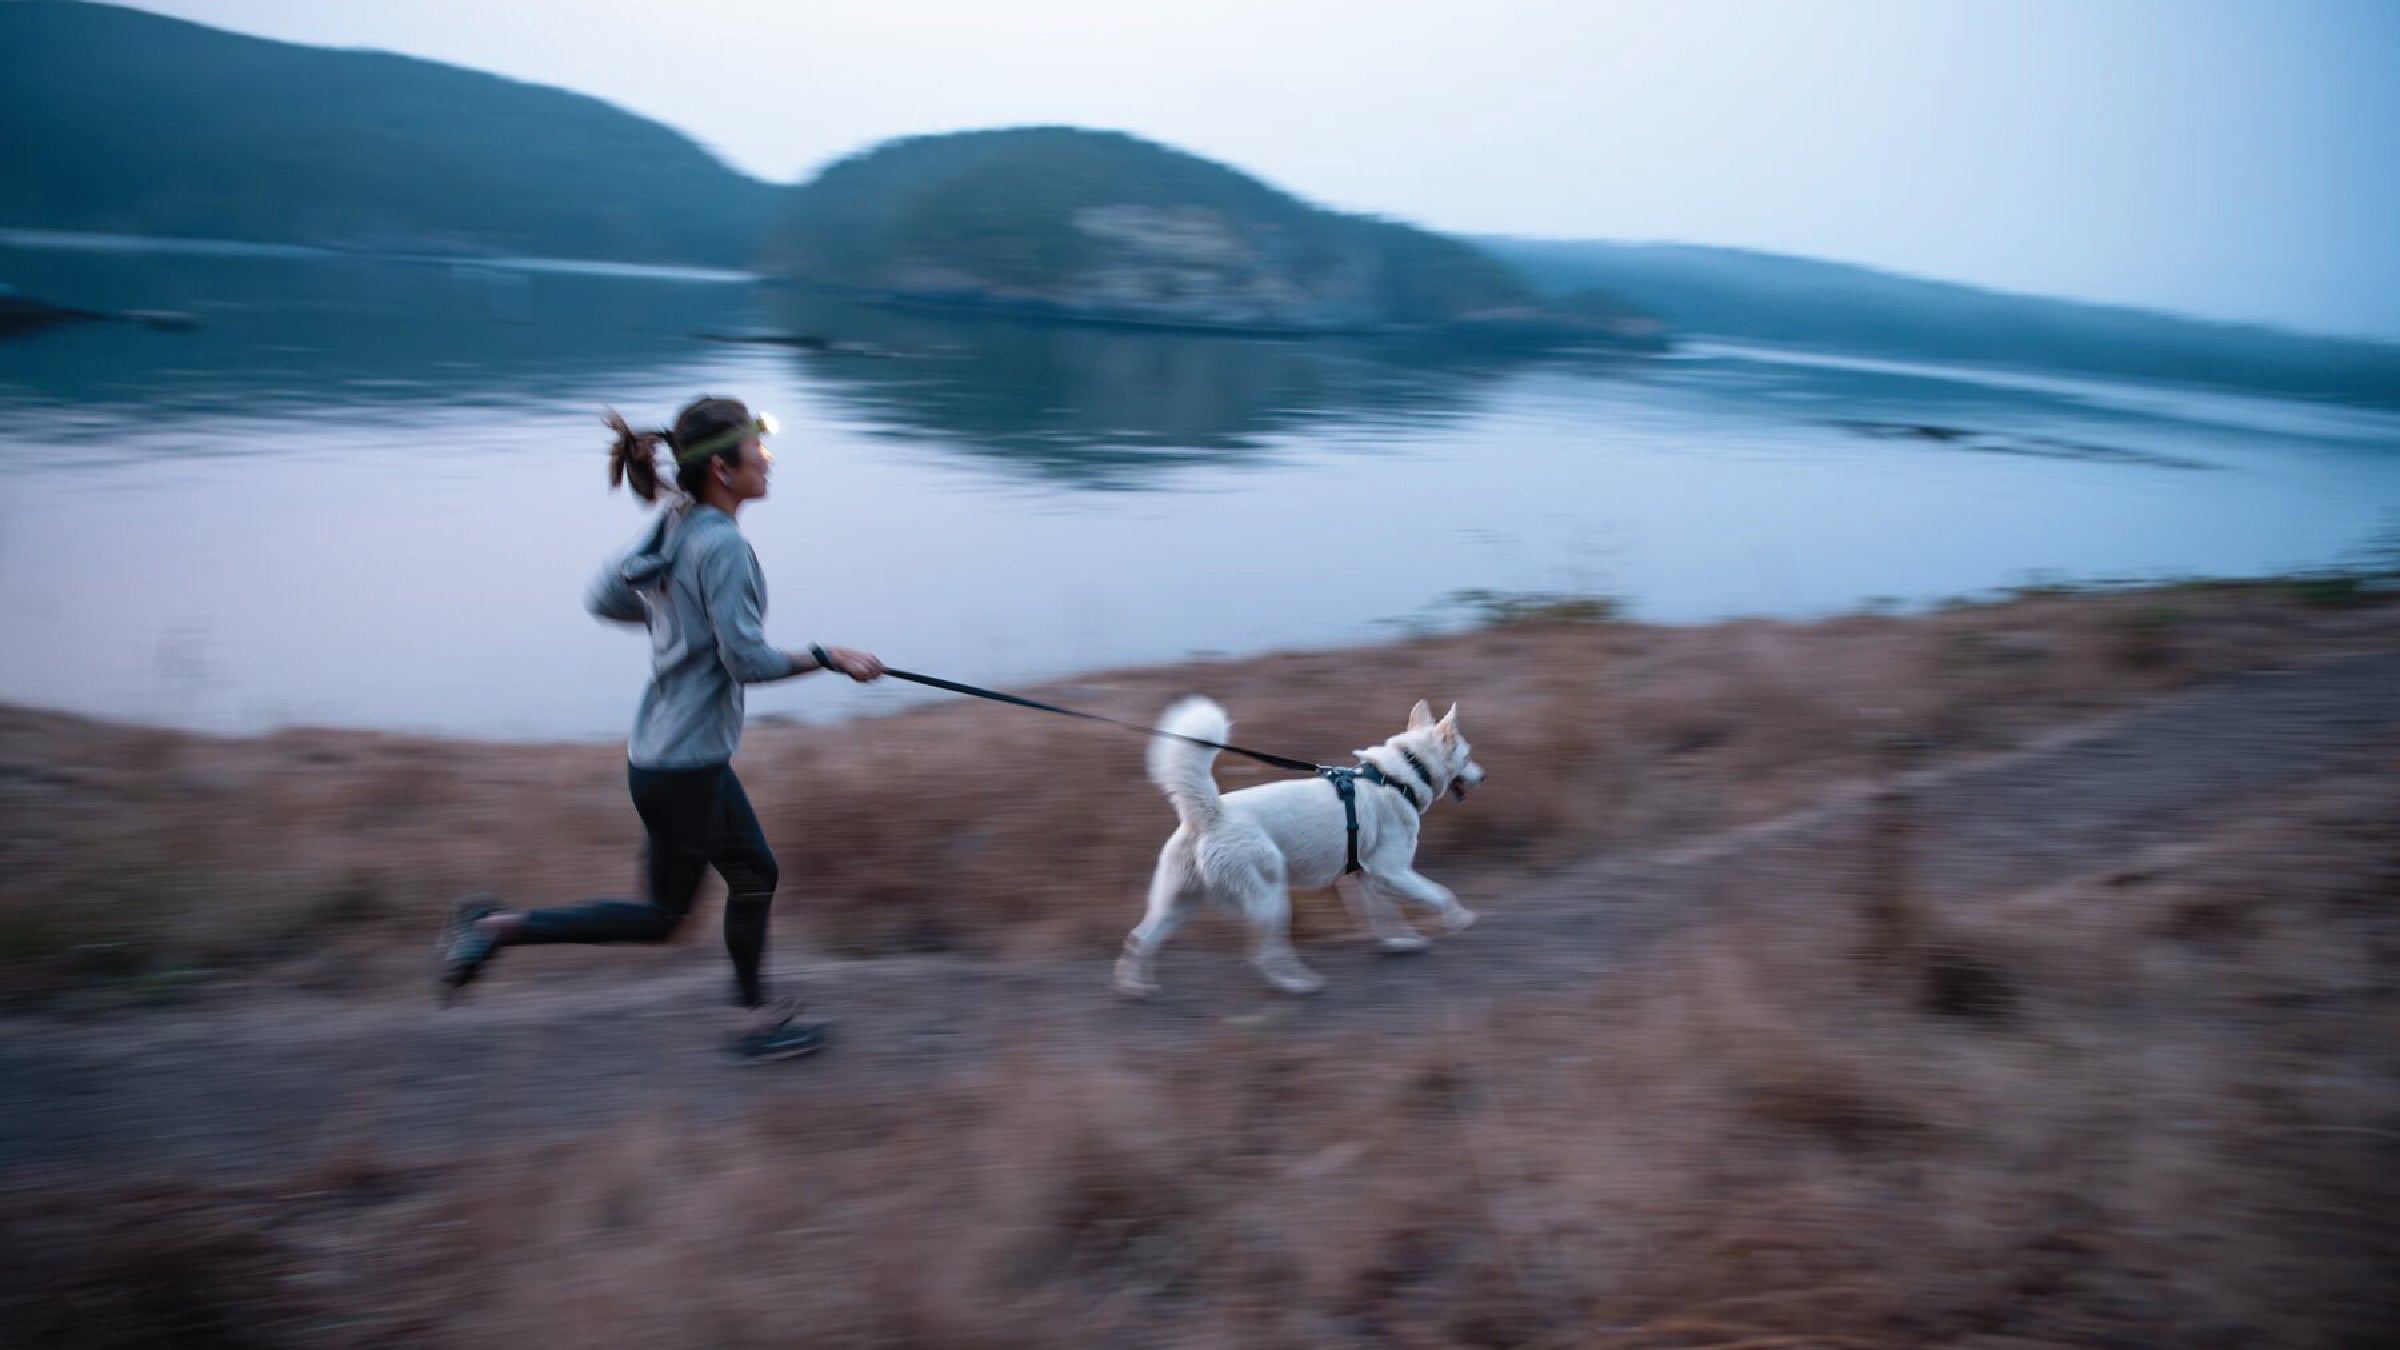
2233 158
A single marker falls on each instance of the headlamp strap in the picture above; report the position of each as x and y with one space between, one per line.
725 440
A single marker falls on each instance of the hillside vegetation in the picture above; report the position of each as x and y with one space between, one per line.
1803 302
120 121
1066 222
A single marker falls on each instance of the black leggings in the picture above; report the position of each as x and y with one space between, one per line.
697 819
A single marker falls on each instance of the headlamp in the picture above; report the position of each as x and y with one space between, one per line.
760 424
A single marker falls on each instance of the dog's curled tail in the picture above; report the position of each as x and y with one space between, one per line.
1180 768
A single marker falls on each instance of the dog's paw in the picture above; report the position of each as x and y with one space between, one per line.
1401 944
1133 979
1288 975
1458 918
1298 986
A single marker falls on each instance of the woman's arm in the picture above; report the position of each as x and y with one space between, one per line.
735 594
611 596
858 665
611 599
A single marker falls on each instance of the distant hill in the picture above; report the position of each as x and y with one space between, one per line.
1065 222
126 122
122 121
1775 298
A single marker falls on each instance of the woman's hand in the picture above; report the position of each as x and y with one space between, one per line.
860 666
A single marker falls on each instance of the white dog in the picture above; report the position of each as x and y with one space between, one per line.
1248 848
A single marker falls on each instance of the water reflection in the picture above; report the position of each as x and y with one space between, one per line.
238 525
1111 408
289 334
315 336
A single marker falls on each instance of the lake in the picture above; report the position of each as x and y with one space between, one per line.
369 492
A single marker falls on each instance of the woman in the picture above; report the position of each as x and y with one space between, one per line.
693 581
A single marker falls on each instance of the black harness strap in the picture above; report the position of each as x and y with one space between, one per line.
1345 785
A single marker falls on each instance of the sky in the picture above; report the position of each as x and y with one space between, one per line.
2235 159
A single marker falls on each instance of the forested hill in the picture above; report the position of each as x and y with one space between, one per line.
1098 224
1803 302
123 121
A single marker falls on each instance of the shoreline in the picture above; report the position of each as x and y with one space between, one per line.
1457 614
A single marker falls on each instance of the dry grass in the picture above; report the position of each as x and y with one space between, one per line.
2155 1105
2182 1127
138 863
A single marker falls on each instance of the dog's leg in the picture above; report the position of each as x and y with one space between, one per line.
1375 910
1411 885
1137 966
1267 900
1173 888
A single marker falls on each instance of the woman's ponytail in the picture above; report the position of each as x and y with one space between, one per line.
633 459
708 429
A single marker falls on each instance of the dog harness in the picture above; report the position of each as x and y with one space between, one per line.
1345 785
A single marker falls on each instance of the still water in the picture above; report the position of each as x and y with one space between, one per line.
368 492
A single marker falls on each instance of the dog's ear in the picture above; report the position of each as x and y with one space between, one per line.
1420 716
1448 726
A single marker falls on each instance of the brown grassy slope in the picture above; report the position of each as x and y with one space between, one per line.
2173 1121
150 861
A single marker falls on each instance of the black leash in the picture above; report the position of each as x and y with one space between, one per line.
1341 778
936 682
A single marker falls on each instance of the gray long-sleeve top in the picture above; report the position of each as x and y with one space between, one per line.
694 582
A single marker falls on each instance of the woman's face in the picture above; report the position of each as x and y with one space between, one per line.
745 474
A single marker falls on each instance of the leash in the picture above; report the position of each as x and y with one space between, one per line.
1343 779
936 682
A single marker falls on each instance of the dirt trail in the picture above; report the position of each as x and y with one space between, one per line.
540 1051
